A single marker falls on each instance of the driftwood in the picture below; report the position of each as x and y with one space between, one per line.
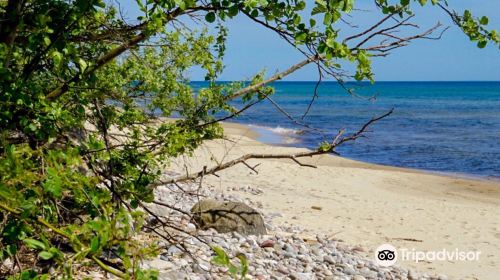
338 140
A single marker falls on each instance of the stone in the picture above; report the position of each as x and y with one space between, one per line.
7 262
174 250
302 276
283 270
190 227
201 267
413 275
328 272
173 275
267 243
160 264
359 249
228 216
289 248
442 277
349 270
366 272
316 251
329 259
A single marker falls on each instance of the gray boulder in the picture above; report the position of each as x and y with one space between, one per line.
228 216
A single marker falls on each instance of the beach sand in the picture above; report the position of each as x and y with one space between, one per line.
367 205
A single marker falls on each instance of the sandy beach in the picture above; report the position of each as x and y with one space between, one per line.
366 205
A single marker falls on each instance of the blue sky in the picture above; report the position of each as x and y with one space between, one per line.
251 48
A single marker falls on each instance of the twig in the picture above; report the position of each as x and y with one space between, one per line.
293 157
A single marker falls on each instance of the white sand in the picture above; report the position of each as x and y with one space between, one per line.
368 205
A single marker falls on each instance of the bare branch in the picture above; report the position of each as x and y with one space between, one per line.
369 29
297 122
276 77
331 149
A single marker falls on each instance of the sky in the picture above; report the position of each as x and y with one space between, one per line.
251 48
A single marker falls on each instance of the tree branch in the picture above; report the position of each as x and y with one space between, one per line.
61 89
274 78
331 149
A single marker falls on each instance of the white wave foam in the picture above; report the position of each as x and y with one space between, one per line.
278 130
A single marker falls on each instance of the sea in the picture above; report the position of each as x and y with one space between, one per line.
445 127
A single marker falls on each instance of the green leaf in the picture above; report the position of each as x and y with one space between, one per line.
300 6
221 257
11 250
328 19
301 37
46 41
142 7
481 44
244 264
330 42
233 270
484 20
422 2
94 244
182 4
57 57
46 255
233 10
34 244
83 65
28 274
53 183
210 17
219 261
219 251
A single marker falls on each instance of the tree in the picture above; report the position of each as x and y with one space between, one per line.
84 93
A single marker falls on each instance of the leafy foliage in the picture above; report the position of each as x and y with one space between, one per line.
221 258
83 99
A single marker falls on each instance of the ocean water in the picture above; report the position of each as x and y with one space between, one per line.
451 127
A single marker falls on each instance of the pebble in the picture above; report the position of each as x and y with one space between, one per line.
190 227
329 259
282 254
160 264
174 250
302 276
283 270
349 270
267 243
413 275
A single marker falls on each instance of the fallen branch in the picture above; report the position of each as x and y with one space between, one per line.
407 239
294 157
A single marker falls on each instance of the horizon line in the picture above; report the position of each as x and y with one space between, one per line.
351 81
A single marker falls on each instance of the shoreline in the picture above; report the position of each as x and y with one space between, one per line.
364 204
262 133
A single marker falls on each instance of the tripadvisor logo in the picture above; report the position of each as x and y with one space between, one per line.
387 255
